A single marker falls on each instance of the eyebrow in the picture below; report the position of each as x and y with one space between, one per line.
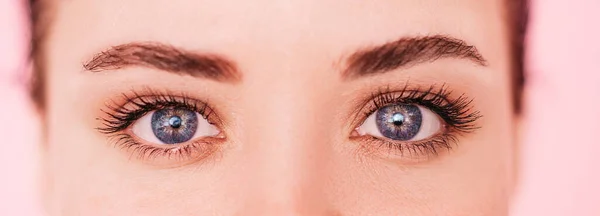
408 51
165 58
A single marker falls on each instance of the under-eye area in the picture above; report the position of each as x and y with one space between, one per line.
414 122
161 127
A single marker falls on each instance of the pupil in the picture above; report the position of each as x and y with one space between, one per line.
175 121
397 119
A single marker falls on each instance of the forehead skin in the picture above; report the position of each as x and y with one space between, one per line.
282 25
283 45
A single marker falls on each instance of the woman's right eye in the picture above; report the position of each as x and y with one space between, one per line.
173 125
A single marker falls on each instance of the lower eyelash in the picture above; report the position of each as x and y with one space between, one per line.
197 149
430 147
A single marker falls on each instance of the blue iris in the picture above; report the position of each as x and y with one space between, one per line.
174 125
399 121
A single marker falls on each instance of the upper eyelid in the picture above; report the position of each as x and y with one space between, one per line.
413 95
148 94
387 90
364 103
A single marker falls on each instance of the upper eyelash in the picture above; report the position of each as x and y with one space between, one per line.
457 113
120 117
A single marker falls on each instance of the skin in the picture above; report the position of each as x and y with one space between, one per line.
288 119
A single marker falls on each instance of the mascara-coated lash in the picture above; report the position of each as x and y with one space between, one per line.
457 114
121 116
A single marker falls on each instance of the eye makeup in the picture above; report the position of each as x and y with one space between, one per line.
397 119
412 122
172 119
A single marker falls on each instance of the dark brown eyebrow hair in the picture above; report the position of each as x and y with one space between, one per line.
166 58
408 51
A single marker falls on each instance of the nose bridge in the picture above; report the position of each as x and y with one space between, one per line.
284 145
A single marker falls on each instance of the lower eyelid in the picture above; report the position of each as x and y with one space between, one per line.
406 152
167 156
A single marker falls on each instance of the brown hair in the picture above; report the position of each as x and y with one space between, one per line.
517 15
518 19
38 27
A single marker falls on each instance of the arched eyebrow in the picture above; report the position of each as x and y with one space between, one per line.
408 51
165 58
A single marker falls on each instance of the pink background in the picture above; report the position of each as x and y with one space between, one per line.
560 172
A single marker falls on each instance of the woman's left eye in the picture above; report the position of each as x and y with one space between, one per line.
402 122
172 126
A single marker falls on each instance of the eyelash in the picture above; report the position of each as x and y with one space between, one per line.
119 117
457 114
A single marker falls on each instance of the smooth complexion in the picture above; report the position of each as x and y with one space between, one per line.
286 106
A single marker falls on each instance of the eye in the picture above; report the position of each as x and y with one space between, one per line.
173 126
402 122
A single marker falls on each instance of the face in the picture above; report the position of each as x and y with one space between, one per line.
278 108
